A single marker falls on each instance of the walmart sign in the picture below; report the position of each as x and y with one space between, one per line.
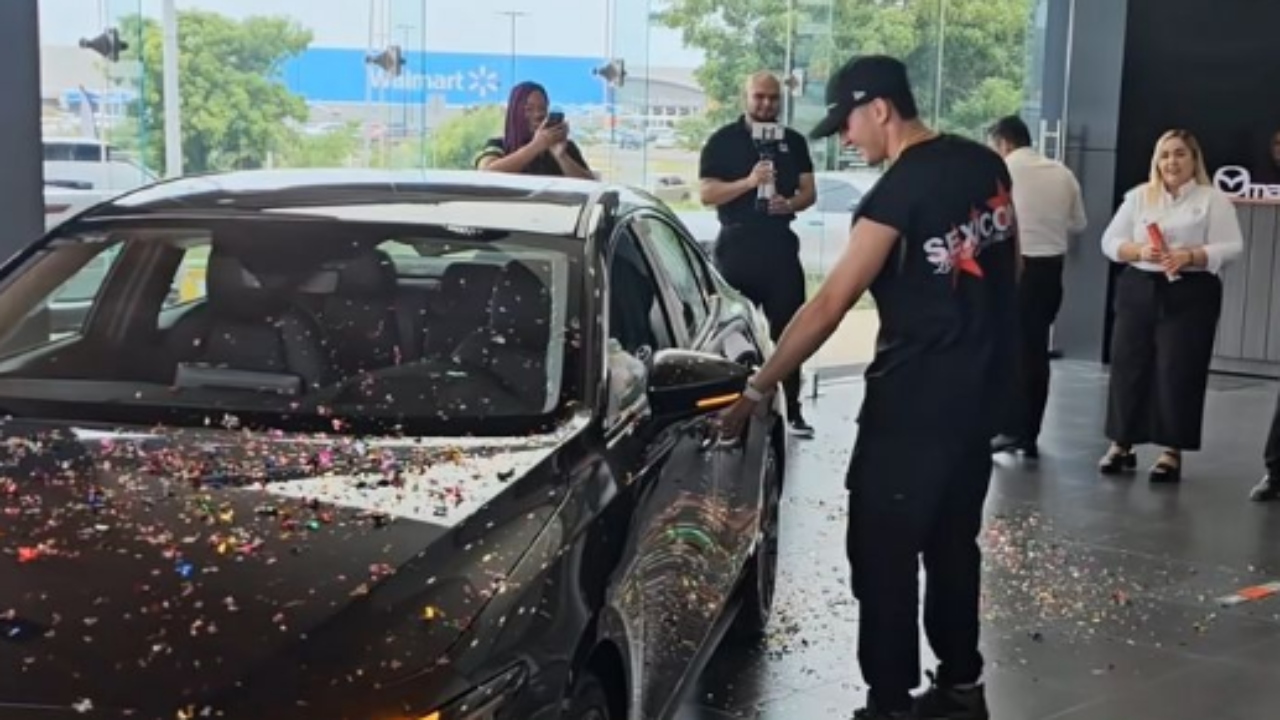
333 75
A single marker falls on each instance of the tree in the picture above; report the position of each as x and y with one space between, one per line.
235 110
459 139
335 147
983 48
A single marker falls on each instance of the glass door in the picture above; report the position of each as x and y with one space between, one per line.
623 154
120 112
399 56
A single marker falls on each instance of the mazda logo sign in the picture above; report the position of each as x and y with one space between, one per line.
1237 182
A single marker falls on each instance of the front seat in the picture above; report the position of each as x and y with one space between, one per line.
369 323
512 346
465 289
248 322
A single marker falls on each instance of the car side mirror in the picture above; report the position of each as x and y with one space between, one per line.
685 383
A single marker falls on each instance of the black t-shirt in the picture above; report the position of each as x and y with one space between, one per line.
731 153
543 164
947 293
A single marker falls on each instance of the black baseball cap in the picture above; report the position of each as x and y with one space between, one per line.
858 82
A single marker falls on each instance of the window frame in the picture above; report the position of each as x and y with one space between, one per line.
695 263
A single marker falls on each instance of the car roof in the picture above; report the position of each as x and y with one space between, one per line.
486 200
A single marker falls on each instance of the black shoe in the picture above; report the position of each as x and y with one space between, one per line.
1013 444
1118 460
1266 491
941 702
799 427
1005 444
1168 469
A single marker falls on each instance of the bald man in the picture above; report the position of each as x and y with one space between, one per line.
758 175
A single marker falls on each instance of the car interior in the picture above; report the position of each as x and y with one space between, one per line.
290 317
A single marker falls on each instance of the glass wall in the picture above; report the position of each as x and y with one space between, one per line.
423 83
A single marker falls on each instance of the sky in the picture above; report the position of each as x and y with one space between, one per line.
549 27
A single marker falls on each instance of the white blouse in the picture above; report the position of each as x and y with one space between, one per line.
1200 216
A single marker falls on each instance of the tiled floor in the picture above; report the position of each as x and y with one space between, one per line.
1101 594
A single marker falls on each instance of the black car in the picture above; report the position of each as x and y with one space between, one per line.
423 446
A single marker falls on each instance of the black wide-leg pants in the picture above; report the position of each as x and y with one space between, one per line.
1161 348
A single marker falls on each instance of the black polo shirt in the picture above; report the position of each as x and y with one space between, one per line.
544 164
730 154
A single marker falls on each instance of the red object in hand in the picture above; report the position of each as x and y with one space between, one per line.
1156 237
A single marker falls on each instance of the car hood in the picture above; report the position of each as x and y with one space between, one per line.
143 572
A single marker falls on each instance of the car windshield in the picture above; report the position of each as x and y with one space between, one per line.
290 323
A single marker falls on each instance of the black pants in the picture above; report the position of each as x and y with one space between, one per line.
1161 347
1039 299
763 263
1271 456
905 504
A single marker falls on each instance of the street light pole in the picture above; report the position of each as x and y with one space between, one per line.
172 98
942 45
513 15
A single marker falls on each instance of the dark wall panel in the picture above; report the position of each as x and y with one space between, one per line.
1210 67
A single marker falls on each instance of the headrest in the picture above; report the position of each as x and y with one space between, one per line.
467 285
233 289
370 274
520 308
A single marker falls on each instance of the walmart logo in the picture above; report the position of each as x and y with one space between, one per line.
483 81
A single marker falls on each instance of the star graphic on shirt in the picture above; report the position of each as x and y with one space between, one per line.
1002 199
966 254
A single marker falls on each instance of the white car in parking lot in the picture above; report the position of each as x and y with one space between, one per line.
823 229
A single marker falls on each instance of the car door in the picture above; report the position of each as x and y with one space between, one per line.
716 329
724 479
677 569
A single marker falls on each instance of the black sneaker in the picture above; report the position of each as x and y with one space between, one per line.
1013 444
940 702
799 427
1267 490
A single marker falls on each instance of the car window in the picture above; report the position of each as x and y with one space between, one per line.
302 322
189 282
636 318
671 254
835 196
73 152
64 311
638 326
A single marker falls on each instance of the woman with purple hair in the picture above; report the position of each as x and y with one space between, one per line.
535 142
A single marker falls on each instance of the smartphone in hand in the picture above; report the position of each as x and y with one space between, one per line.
555 117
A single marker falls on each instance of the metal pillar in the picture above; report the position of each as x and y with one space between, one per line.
22 176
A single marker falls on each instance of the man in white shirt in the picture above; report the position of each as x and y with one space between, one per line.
1049 208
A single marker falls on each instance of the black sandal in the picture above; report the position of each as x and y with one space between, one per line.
1168 469
1117 460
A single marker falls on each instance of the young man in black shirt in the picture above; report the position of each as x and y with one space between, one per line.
756 250
936 243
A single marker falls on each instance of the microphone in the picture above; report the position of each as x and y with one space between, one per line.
766 137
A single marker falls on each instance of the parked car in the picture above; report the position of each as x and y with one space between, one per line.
823 229
430 445
671 189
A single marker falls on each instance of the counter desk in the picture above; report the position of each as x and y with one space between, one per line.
1249 331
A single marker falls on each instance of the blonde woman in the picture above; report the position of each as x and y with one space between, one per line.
1174 234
